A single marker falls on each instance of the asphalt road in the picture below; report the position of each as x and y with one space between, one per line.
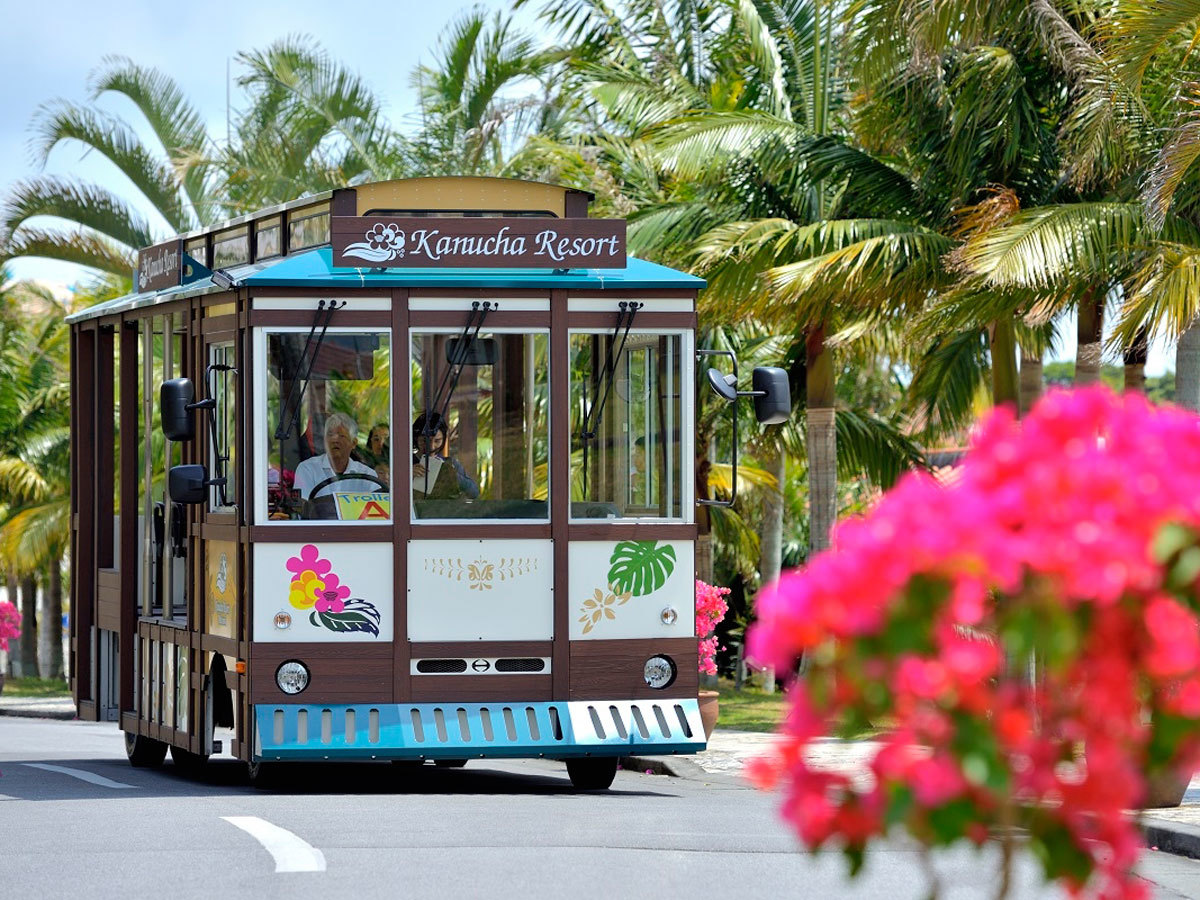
77 821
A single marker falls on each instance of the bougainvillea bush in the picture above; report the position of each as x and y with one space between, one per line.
710 610
1030 631
10 623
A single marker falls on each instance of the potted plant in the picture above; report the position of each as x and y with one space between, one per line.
1073 538
710 610
10 627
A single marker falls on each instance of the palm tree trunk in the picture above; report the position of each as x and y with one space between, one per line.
1005 388
1135 362
53 620
822 441
1187 368
1090 334
28 661
770 550
1031 380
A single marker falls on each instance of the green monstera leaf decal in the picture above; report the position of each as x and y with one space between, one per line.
640 567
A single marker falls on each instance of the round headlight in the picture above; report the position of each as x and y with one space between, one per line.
292 677
659 672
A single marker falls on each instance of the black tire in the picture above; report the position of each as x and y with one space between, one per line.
592 773
188 763
144 752
263 775
450 763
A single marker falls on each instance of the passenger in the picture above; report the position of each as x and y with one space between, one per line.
378 450
430 435
340 434
385 474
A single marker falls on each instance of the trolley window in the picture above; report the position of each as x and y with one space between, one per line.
480 434
328 397
627 419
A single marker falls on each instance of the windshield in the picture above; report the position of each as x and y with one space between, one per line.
328 426
480 432
626 420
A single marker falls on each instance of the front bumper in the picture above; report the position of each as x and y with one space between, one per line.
557 730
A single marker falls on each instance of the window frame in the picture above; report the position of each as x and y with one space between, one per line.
227 396
685 370
260 421
456 331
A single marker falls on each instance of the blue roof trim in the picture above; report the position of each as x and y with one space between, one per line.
314 268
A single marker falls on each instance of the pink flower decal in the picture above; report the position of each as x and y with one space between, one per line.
333 597
308 560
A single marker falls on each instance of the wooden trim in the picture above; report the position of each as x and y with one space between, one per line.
456 318
560 489
87 710
130 546
644 319
471 530
217 325
212 532
84 608
349 318
602 670
216 643
402 415
473 649
479 688
129 722
331 533
629 532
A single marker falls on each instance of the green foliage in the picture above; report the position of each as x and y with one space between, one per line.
640 567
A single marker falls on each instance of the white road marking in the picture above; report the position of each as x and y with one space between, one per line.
4 797
291 853
89 777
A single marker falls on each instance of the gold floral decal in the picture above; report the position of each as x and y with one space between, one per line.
482 572
600 606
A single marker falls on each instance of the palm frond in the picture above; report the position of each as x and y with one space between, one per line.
87 205
83 247
869 444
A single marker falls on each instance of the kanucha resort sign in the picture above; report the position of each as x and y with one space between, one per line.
498 242
160 266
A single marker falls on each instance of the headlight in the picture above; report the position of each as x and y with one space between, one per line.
292 677
659 672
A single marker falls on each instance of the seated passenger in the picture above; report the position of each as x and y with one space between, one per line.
436 475
377 450
340 434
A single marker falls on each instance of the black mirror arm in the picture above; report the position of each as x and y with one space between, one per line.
727 504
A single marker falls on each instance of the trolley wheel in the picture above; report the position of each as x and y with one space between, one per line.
144 752
449 763
592 773
188 763
262 774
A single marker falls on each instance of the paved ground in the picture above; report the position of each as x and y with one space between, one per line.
1173 830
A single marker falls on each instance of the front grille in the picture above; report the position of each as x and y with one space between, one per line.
441 666
521 664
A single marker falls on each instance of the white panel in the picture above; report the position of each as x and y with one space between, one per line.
626 614
503 304
361 304
361 597
494 590
612 304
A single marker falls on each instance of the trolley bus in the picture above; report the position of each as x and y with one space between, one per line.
402 471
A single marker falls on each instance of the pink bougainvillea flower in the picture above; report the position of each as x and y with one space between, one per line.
309 560
1068 538
305 590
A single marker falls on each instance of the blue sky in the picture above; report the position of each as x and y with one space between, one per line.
50 51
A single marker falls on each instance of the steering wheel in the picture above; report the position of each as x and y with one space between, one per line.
315 507
345 476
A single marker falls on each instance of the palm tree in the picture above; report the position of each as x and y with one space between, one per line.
103 229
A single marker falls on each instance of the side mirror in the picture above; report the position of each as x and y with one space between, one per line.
175 399
772 395
724 386
472 351
187 484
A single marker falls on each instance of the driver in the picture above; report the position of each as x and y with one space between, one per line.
341 433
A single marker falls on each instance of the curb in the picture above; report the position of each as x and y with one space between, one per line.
678 767
26 711
1172 837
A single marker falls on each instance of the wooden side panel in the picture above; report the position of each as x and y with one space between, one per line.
83 609
613 669
359 673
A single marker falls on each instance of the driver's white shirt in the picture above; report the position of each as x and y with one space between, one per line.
316 469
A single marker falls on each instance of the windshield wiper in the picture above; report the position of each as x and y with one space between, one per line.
462 351
290 414
591 420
